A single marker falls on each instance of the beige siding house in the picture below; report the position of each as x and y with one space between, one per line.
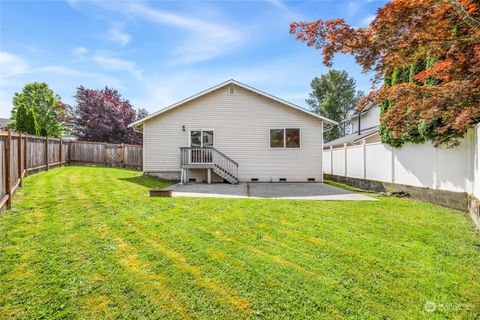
234 133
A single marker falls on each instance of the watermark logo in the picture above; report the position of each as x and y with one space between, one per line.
430 306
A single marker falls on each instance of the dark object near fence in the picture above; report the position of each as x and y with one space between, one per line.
397 194
160 193
22 154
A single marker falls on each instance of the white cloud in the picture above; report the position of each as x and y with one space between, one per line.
366 21
73 3
11 65
80 51
115 34
352 8
65 71
205 39
108 62
279 4
288 13
16 71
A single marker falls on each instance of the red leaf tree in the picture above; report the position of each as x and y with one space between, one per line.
427 51
103 115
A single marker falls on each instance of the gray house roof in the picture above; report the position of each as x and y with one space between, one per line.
352 138
3 123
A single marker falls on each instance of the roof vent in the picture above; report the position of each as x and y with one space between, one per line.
231 89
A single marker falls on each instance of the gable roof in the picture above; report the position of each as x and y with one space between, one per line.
362 112
223 84
353 137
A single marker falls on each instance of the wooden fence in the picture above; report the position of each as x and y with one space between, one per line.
22 154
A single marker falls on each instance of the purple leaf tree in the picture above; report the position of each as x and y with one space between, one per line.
104 116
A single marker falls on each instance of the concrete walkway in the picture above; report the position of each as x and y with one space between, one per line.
293 191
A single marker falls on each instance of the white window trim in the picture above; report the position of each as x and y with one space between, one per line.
284 138
203 129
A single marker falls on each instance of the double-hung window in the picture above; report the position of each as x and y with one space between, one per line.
285 138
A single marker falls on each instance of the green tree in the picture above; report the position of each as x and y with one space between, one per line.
334 96
38 110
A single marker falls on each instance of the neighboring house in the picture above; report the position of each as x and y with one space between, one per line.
69 138
235 133
363 126
4 123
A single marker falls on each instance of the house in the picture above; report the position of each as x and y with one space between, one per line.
4 122
233 132
363 126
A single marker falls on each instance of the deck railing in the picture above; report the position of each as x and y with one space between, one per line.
209 157
200 157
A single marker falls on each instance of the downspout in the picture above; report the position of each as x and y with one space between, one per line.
359 121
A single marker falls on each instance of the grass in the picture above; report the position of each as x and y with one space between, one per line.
84 242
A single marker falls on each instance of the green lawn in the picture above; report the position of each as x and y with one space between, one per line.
84 242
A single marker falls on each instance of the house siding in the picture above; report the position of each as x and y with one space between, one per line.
368 120
241 124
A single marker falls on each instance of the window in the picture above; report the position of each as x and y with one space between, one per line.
277 138
201 138
292 138
207 138
231 89
285 138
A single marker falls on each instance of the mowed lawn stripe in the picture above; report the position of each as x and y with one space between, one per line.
145 285
130 295
150 242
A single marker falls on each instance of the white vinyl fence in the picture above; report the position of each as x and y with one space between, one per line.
422 165
476 163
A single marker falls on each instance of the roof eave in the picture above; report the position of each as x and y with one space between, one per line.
232 81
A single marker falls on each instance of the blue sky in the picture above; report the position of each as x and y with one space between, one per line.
156 53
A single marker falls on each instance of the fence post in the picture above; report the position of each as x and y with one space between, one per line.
123 155
25 154
364 147
46 152
60 152
331 159
435 168
105 153
392 153
19 151
8 182
345 157
69 153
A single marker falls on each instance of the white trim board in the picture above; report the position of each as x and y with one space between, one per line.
226 83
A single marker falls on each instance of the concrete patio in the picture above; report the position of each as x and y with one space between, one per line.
292 191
